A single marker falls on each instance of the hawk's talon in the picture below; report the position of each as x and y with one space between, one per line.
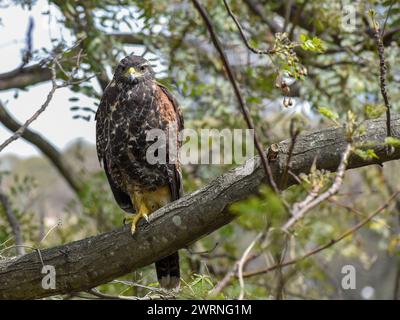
134 219
133 230
127 219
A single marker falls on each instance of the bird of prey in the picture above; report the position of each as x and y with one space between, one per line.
132 104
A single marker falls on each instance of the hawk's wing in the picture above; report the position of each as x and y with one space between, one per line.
102 143
168 273
174 172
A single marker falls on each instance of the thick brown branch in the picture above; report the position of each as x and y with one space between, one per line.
127 38
23 77
86 263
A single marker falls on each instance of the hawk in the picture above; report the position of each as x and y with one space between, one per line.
132 104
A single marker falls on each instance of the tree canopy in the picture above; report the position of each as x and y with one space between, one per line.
318 81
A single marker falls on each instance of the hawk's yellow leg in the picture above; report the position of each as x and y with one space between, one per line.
143 212
147 202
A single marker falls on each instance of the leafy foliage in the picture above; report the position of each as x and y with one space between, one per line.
328 73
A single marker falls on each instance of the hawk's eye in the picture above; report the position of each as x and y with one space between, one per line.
142 68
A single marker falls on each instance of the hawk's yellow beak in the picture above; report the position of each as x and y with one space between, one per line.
133 74
132 71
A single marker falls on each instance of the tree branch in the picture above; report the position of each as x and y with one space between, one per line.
258 9
243 35
17 134
235 86
21 78
13 221
313 200
382 71
328 244
84 264
45 147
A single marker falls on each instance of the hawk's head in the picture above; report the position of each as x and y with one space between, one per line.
133 69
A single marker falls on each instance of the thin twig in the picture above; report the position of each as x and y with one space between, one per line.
386 19
242 34
17 134
15 246
14 223
28 51
327 245
238 94
382 77
229 275
296 18
224 282
133 284
53 61
239 267
357 212
58 224
204 252
101 295
154 293
288 11
243 260
299 211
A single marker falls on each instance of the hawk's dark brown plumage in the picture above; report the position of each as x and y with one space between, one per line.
132 104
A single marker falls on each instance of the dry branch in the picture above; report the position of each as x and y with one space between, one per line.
13 222
232 79
50 151
300 209
87 263
328 244
382 76
17 134
21 78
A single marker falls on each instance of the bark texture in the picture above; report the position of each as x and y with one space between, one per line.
86 263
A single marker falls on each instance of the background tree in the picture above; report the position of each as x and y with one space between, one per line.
284 68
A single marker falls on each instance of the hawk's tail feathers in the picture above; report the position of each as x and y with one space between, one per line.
168 274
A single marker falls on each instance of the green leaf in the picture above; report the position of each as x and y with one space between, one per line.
367 154
331 115
374 111
395 142
371 154
314 44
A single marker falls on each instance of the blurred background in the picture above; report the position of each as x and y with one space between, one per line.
325 65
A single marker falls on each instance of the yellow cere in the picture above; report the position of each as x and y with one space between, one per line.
132 70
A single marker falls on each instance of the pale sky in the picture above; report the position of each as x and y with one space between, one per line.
56 123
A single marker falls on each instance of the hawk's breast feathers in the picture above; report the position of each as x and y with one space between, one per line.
132 105
125 114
